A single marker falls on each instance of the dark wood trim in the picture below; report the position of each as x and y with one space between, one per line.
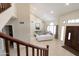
19 42
40 52
33 52
47 53
26 50
7 37
37 52
7 48
18 49
43 52
4 6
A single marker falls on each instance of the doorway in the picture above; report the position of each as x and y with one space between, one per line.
8 29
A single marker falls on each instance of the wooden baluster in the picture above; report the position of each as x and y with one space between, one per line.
33 52
7 48
26 50
7 5
37 52
18 49
4 6
47 53
40 52
0 8
43 52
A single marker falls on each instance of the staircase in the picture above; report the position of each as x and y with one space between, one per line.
6 12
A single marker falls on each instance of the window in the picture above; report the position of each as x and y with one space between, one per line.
73 21
51 28
77 20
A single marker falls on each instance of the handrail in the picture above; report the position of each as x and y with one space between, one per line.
7 37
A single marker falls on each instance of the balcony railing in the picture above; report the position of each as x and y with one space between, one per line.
40 51
4 6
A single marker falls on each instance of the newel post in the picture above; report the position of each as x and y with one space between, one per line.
47 50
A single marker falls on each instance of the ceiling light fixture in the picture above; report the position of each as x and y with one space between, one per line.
67 4
34 8
51 12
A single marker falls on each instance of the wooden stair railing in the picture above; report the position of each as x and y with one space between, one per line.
40 50
4 6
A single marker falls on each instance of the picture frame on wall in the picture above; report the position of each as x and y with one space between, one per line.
37 26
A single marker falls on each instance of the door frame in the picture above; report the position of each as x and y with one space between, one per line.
12 35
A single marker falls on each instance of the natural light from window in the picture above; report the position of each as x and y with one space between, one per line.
51 28
72 21
62 33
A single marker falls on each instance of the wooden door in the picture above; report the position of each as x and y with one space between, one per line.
72 37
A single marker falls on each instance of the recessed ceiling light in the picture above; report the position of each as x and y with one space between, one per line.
45 16
67 4
34 8
51 12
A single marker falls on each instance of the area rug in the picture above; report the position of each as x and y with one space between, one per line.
71 50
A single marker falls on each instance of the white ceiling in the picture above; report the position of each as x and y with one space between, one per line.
43 10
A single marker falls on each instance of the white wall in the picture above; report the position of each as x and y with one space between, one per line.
71 15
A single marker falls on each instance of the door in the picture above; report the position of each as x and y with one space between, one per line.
10 33
72 37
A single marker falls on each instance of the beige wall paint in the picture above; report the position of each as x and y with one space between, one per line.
24 31
23 15
20 31
6 15
43 24
68 16
15 24
33 20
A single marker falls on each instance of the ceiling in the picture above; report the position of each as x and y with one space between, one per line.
49 11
